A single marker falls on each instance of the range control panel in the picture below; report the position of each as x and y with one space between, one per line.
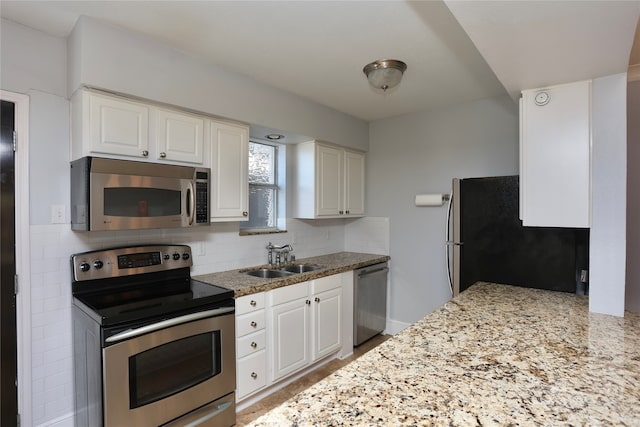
129 260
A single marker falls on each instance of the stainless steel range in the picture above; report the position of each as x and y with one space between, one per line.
151 345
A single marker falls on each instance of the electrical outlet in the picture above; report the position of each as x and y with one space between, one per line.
57 214
201 249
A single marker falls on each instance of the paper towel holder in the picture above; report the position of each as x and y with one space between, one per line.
431 199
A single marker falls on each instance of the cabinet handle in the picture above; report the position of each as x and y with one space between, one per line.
245 213
340 212
163 155
254 375
347 212
253 344
317 299
254 324
145 153
307 302
253 303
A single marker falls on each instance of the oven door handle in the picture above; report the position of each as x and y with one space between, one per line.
130 333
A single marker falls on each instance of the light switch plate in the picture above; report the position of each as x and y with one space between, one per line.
57 214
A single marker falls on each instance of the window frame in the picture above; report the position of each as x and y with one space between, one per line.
278 188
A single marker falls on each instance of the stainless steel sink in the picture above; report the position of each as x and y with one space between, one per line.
267 273
302 268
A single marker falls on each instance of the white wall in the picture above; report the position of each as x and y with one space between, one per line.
607 245
36 64
632 295
112 58
422 153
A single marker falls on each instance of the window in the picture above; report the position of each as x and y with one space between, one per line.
263 187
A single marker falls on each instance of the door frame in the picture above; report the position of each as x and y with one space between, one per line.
23 250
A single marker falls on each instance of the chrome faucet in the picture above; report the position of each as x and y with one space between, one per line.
279 250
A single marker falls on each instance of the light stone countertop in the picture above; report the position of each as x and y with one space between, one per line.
495 355
243 284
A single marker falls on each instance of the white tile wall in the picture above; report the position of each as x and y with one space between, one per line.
369 235
224 249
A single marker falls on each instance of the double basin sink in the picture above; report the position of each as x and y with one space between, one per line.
268 273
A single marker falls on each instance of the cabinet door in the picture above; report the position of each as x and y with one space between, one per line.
290 337
180 136
328 181
353 183
118 126
327 322
556 156
229 169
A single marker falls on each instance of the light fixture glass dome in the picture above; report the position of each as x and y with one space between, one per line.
385 73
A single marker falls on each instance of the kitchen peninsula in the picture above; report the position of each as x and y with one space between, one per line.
495 355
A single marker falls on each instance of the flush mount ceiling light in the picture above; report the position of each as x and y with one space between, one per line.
274 136
385 73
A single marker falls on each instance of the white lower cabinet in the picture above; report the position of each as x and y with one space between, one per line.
306 321
326 315
251 374
286 330
251 354
289 316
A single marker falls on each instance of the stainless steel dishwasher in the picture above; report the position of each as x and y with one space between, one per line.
369 302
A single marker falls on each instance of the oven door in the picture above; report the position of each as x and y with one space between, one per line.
155 376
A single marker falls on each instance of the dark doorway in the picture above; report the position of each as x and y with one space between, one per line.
8 343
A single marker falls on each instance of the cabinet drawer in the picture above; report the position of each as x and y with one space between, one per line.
326 283
249 303
251 343
252 373
289 293
248 323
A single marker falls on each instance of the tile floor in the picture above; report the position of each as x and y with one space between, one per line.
256 410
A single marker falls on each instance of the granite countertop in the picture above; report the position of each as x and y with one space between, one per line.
243 284
494 355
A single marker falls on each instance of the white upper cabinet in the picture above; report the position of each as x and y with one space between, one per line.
329 181
179 136
555 156
353 183
229 172
106 124
114 126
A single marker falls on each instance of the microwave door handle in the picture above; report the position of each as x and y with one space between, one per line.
130 333
191 203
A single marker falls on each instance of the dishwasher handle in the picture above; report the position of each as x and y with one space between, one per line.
370 272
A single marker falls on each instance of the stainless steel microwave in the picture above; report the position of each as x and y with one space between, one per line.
109 194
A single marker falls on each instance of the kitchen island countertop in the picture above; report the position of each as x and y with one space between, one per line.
242 284
494 355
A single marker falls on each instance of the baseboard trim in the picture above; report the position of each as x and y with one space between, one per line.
66 420
395 326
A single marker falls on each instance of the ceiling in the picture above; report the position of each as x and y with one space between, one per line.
456 51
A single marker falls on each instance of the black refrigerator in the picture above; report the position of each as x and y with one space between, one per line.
490 244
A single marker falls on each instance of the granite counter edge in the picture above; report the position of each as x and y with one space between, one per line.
242 284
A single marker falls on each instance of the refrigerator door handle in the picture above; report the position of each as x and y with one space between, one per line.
448 241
